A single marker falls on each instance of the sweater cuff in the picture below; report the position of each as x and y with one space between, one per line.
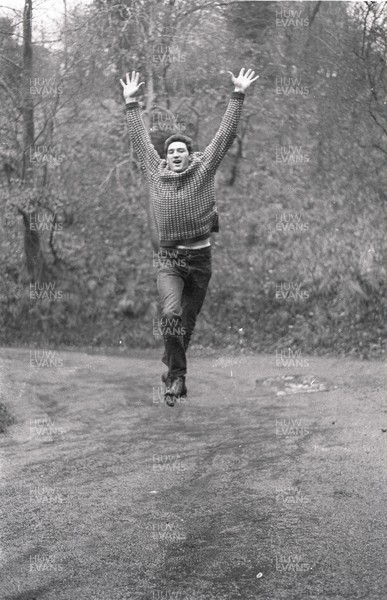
130 105
238 95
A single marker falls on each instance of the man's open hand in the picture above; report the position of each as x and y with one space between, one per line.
244 80
132 86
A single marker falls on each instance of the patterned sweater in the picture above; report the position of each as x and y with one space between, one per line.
184 203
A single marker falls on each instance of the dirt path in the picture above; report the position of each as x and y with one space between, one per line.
238 493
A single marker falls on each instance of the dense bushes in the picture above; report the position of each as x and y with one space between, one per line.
321 289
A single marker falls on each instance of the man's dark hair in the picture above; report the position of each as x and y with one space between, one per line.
178 137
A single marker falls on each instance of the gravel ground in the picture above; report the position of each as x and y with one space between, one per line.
251 489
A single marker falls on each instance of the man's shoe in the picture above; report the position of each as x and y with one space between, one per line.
167 380
176 389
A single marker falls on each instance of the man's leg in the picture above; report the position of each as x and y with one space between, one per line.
194 292
170 284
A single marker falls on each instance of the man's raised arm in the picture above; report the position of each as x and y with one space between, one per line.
143 146
217 149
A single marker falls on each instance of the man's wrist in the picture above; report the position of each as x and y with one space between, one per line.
130 100
237 89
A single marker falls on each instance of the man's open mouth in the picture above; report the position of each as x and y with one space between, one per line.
177 161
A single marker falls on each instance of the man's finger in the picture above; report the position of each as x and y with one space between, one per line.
122 83
242 73
127 79
133 75
254 78
248 72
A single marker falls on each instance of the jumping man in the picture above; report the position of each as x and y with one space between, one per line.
182 189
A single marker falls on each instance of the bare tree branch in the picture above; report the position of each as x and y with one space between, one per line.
314 13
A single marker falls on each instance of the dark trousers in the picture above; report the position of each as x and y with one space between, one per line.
182 281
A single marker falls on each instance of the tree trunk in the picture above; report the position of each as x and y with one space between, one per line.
154 233
234 168
239 152
36 265
150 98
35 262
28 107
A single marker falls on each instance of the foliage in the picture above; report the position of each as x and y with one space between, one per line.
310 153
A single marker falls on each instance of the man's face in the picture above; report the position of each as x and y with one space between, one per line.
177 157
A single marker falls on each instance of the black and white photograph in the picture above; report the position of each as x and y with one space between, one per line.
193 302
